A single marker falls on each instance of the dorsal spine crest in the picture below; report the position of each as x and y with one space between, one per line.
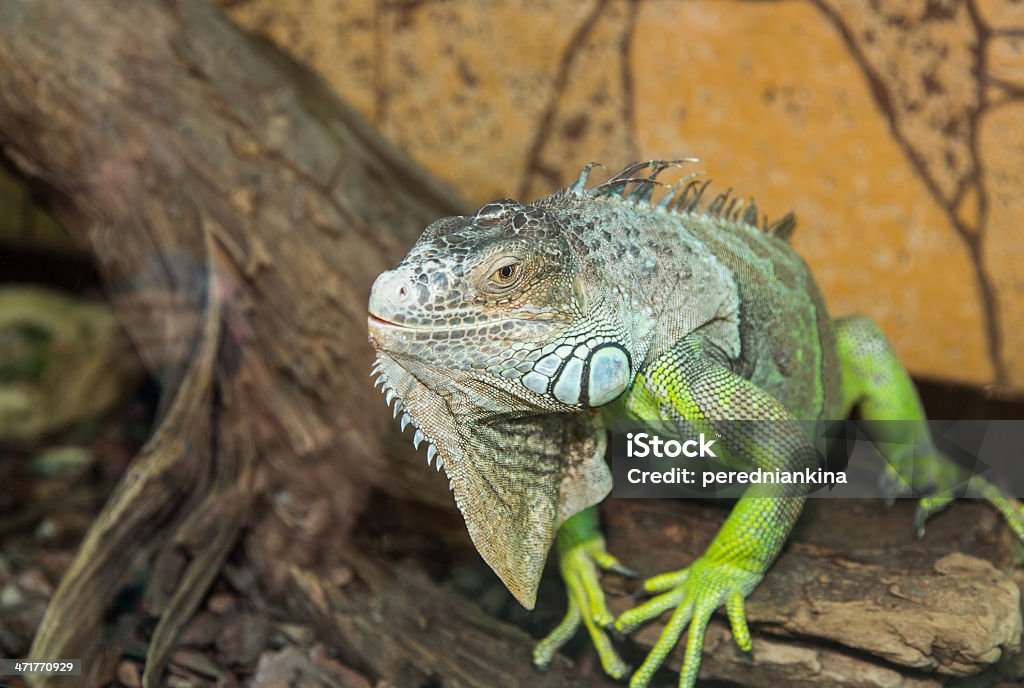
725 206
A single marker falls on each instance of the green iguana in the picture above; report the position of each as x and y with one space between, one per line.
511 337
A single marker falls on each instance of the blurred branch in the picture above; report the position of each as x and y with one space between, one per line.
237 213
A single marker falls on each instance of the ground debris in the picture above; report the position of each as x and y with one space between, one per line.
295 666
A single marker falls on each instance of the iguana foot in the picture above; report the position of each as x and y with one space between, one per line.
935 478
939 480
695 593
581 563
952 484
923 476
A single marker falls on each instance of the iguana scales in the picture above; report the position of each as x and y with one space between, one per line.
509 339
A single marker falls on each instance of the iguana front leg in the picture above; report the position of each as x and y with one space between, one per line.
581 557
688 385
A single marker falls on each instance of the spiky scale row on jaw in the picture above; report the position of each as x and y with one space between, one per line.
406 418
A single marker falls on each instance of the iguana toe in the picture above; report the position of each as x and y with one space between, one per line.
927 507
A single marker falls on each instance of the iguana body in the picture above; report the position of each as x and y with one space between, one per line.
513 337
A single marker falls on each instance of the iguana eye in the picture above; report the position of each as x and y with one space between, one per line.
501 277
506 274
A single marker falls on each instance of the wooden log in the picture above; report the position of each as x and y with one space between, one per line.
856 599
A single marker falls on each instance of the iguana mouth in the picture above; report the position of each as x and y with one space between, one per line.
382 323
374 320
378 321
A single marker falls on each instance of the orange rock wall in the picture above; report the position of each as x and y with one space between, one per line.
894 129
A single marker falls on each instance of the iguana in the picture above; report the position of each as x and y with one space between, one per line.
511 338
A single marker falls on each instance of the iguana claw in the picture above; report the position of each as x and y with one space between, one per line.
933 478
892 485
695 593
929 506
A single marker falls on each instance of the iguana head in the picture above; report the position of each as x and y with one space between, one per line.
497 337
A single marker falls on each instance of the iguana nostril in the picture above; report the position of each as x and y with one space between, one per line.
390 292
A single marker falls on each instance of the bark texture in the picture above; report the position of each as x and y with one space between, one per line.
238 213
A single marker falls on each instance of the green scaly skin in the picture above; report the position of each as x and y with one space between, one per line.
510 339
876 384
